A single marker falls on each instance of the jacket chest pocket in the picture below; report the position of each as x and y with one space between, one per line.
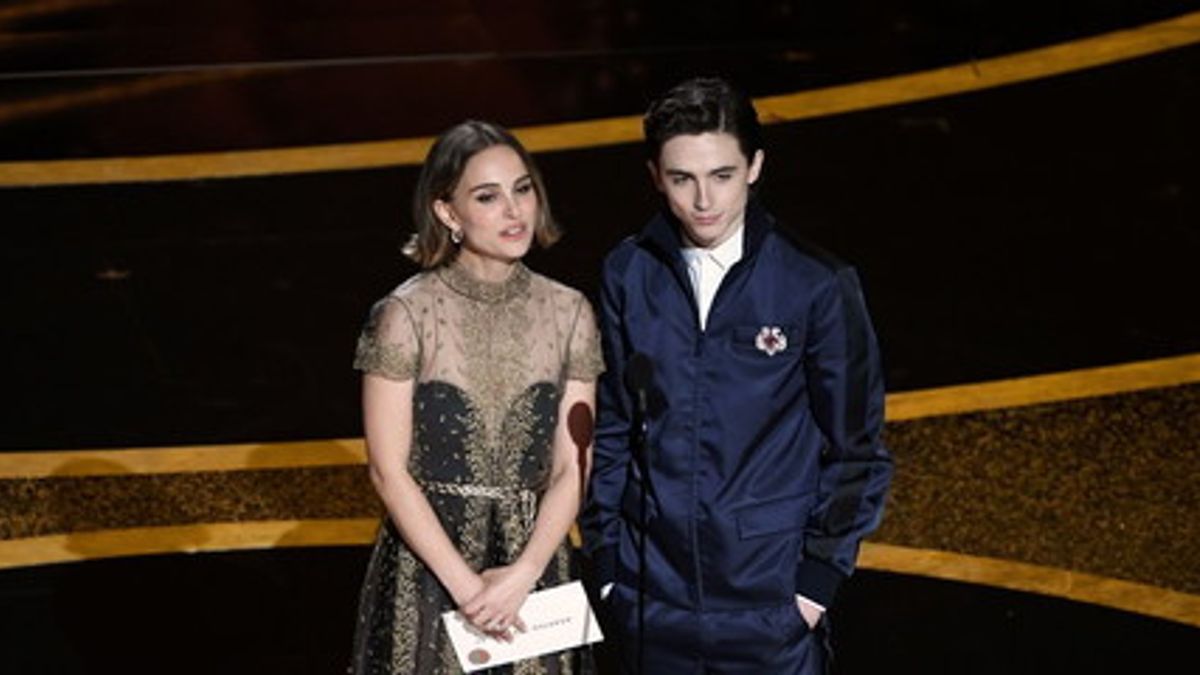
768 341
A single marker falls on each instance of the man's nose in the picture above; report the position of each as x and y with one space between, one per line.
701 201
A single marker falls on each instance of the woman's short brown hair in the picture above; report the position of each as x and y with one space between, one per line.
430 244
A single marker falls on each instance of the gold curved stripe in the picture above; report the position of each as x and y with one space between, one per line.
968 77
118 543
212 537
1050 388
183 459
963 78
1104 591
1009 393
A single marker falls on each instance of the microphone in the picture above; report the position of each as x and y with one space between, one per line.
639 382
639 378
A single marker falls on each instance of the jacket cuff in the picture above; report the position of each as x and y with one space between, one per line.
818 581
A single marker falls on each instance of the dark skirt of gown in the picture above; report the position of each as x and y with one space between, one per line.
399 626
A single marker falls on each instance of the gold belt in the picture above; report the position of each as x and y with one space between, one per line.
526 500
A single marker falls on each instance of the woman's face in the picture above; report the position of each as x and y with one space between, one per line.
495 206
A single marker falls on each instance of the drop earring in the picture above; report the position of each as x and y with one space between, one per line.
456 236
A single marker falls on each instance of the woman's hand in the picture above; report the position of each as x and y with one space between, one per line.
494 610
466 588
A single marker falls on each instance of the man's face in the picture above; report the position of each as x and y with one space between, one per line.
706 180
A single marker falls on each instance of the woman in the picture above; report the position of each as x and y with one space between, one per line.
478 391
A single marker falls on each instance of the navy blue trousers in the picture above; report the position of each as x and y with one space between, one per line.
760 641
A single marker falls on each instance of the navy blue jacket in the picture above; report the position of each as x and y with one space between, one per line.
766 469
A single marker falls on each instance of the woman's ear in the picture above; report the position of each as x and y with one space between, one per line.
445 214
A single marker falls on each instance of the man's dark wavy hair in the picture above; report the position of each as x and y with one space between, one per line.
699 105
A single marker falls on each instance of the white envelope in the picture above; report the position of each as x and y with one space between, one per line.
555 619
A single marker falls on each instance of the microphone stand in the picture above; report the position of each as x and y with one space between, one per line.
639 377
641 443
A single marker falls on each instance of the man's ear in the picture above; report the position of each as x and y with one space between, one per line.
654 177
756 165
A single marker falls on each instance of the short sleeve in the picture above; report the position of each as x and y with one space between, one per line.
388 345
584 359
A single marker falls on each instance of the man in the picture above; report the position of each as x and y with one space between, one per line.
751 364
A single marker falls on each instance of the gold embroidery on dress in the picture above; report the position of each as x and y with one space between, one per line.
388 345
584 357
493 367
405 610
391 361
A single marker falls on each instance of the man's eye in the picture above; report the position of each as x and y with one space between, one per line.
678 180
724 176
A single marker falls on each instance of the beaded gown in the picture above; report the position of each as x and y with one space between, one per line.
489 363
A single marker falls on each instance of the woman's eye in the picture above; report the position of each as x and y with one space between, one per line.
525 189
485 198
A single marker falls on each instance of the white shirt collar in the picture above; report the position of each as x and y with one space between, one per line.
724 254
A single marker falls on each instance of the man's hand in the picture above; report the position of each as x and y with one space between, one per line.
811 611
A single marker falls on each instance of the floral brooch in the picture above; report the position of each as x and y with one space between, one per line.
771 340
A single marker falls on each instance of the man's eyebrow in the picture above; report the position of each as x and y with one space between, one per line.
720 169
